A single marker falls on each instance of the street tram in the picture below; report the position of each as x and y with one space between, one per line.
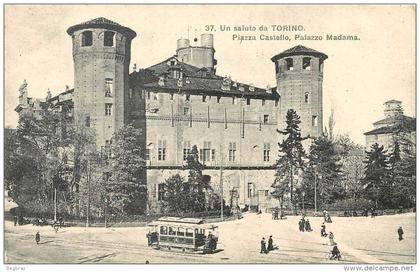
186 234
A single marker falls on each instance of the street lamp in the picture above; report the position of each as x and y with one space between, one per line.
320 177
303 202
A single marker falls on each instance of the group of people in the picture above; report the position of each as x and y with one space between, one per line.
265 248
275 214
304 225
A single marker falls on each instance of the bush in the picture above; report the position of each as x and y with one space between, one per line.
349 204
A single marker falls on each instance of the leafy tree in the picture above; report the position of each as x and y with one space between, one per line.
324 161
125 181
402 172
291 155
197 185
175 194
35 160
375 179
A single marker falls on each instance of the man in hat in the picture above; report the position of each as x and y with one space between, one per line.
263 248
323 232
400 233
37 237
270 246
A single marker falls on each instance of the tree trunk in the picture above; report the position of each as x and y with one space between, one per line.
291 190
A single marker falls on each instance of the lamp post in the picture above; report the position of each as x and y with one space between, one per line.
303 202
316 177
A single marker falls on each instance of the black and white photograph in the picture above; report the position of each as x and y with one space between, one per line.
150 134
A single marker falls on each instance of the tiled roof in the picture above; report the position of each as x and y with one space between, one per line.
163 67
193 81
299 50
392 101
102 22
393 120
406 123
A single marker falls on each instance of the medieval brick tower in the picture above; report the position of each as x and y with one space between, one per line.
299 74
101 54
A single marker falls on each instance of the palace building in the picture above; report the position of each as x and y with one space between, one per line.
181 102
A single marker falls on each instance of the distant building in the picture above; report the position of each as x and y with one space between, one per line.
394 126
181 102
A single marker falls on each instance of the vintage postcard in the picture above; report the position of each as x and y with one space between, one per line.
210 134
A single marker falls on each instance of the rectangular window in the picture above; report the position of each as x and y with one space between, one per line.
106 176
306 63
276 103
204 98
248 101
218 99
233 100
205 153
109 38
250 190
108 87
108 109
161 150
87 38
186 150
266 152
289 63
306 97
171 96
265 119
87 121
314 120
147 156
263 102
148 95
176 74
186 110
232 152
266 193
161 191
187 97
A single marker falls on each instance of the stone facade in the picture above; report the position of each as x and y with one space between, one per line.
101 54
182 102
299 73
395 126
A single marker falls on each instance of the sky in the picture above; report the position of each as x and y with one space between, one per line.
359 75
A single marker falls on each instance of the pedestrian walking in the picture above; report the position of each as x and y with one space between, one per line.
331 239
37 238
400 233
270 246
263 247
323 232
308 225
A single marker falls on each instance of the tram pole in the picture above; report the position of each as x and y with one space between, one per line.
221 182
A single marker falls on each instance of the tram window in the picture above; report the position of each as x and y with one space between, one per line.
188 233
180 232
163 230
171 232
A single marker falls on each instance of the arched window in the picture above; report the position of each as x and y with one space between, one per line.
87 39
109 38
306 63
289 63
306 97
